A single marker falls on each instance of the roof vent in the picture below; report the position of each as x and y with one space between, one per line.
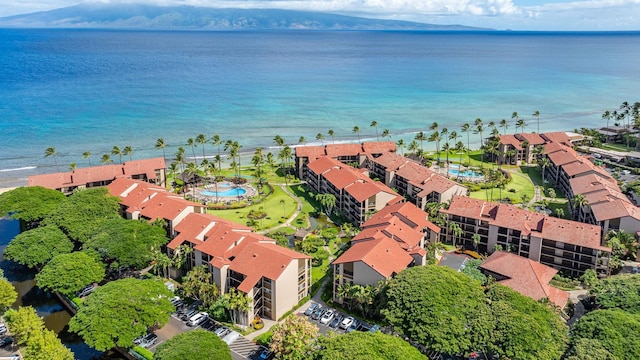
255 255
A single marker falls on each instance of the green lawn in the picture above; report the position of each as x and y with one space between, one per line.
309 204
520 184
271 205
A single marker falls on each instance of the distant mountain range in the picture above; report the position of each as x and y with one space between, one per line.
131 16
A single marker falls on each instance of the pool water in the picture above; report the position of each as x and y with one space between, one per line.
466 173
229 192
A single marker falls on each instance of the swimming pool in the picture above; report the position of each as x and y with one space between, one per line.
466 173
229 192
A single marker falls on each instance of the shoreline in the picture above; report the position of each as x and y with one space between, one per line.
5 189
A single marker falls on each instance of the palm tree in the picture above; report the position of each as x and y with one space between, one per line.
344 292
51 151
160 145
456 232
192 144
579 203
72 167
201 139
215 140
435 136
479 130
321 138
375 125
180 157
433 126
514 115
401 145
386 133
128 150
460 150
414 148
504 124
544 163
420 137
278 140
466 128
510 154
302 140
87 155
284 155
356 130
606 116
116 151
476 240
332 134
537 115
446 148
454 136
106 159
521 124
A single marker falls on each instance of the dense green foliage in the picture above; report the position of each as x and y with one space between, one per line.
120 311
30 203
620 291
449 312
8 295
38 343
193 345
589 349
440 308
69 273
524 328
617 331
82 213
128 243
365 345
38 246
293 338
471 269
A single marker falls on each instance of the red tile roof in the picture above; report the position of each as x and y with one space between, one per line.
558 137
260 259
407 212
340 150
342 177
510 139
104 173
383 255
531 138
379 147
528 277
322 164
391 161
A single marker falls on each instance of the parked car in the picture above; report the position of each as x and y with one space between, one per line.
149 340
197 319
188 314
346 322
85 291
327 316
354 326
222 331
311 309
336 321
265 354
6 341
3 329
231 337
375 328
318 313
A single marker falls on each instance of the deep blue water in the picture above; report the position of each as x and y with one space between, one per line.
88 90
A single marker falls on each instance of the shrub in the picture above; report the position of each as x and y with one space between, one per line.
145 353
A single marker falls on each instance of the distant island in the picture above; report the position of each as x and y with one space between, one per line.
138 16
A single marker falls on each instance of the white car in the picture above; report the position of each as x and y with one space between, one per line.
346 322
327 316
197 319
231 337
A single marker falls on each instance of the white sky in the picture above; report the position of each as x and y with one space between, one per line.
498 14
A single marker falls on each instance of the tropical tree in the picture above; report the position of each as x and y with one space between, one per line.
193 345
332 134
375 125
127 151
328 202
30 204
34 248
476 240
202 140
386 133
237 303
8 295
544 163
356 130
108 318
294 338
456 231
401 145
105 159
536 114
69 273
302 140
365 345
197 284
504 124
515 116
320 138
36 341
51 151
87 155
615 330
579 203
160 145
467 128
72 167
116 151
420 137
436 137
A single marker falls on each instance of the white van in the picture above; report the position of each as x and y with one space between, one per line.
197 319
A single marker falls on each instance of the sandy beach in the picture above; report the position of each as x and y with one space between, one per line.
4 190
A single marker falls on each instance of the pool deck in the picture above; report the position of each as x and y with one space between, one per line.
445 171
196 193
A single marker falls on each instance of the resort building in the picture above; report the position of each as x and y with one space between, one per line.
415 182
529 278
235 256
518 149
389 242
357 195
568 246
351 154
148 170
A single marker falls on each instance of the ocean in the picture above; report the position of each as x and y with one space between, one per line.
88 90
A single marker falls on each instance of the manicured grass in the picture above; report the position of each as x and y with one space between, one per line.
271 205
519 182
616 147
309 203
564 205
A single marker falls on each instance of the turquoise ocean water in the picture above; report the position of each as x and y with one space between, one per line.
88 90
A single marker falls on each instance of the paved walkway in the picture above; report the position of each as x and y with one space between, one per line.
291 218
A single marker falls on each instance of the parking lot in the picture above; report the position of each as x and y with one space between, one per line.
241 347
331 320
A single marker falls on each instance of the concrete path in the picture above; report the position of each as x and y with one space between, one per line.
291 218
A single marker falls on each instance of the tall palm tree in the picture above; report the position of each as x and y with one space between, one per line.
356 130
106 159
420 137
321 138
375 125
515 116
128 150
302 140
414 148
435 137
180 157
456 232
216 141
454 136
386 133
87 155
278 140
192 144
521 124
160 145
544 163
434 126
606 116
504 124
202 140
466 128
579 203
116 151
51 151
332 134
72 167
446 148
460 148
401 145
537 115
